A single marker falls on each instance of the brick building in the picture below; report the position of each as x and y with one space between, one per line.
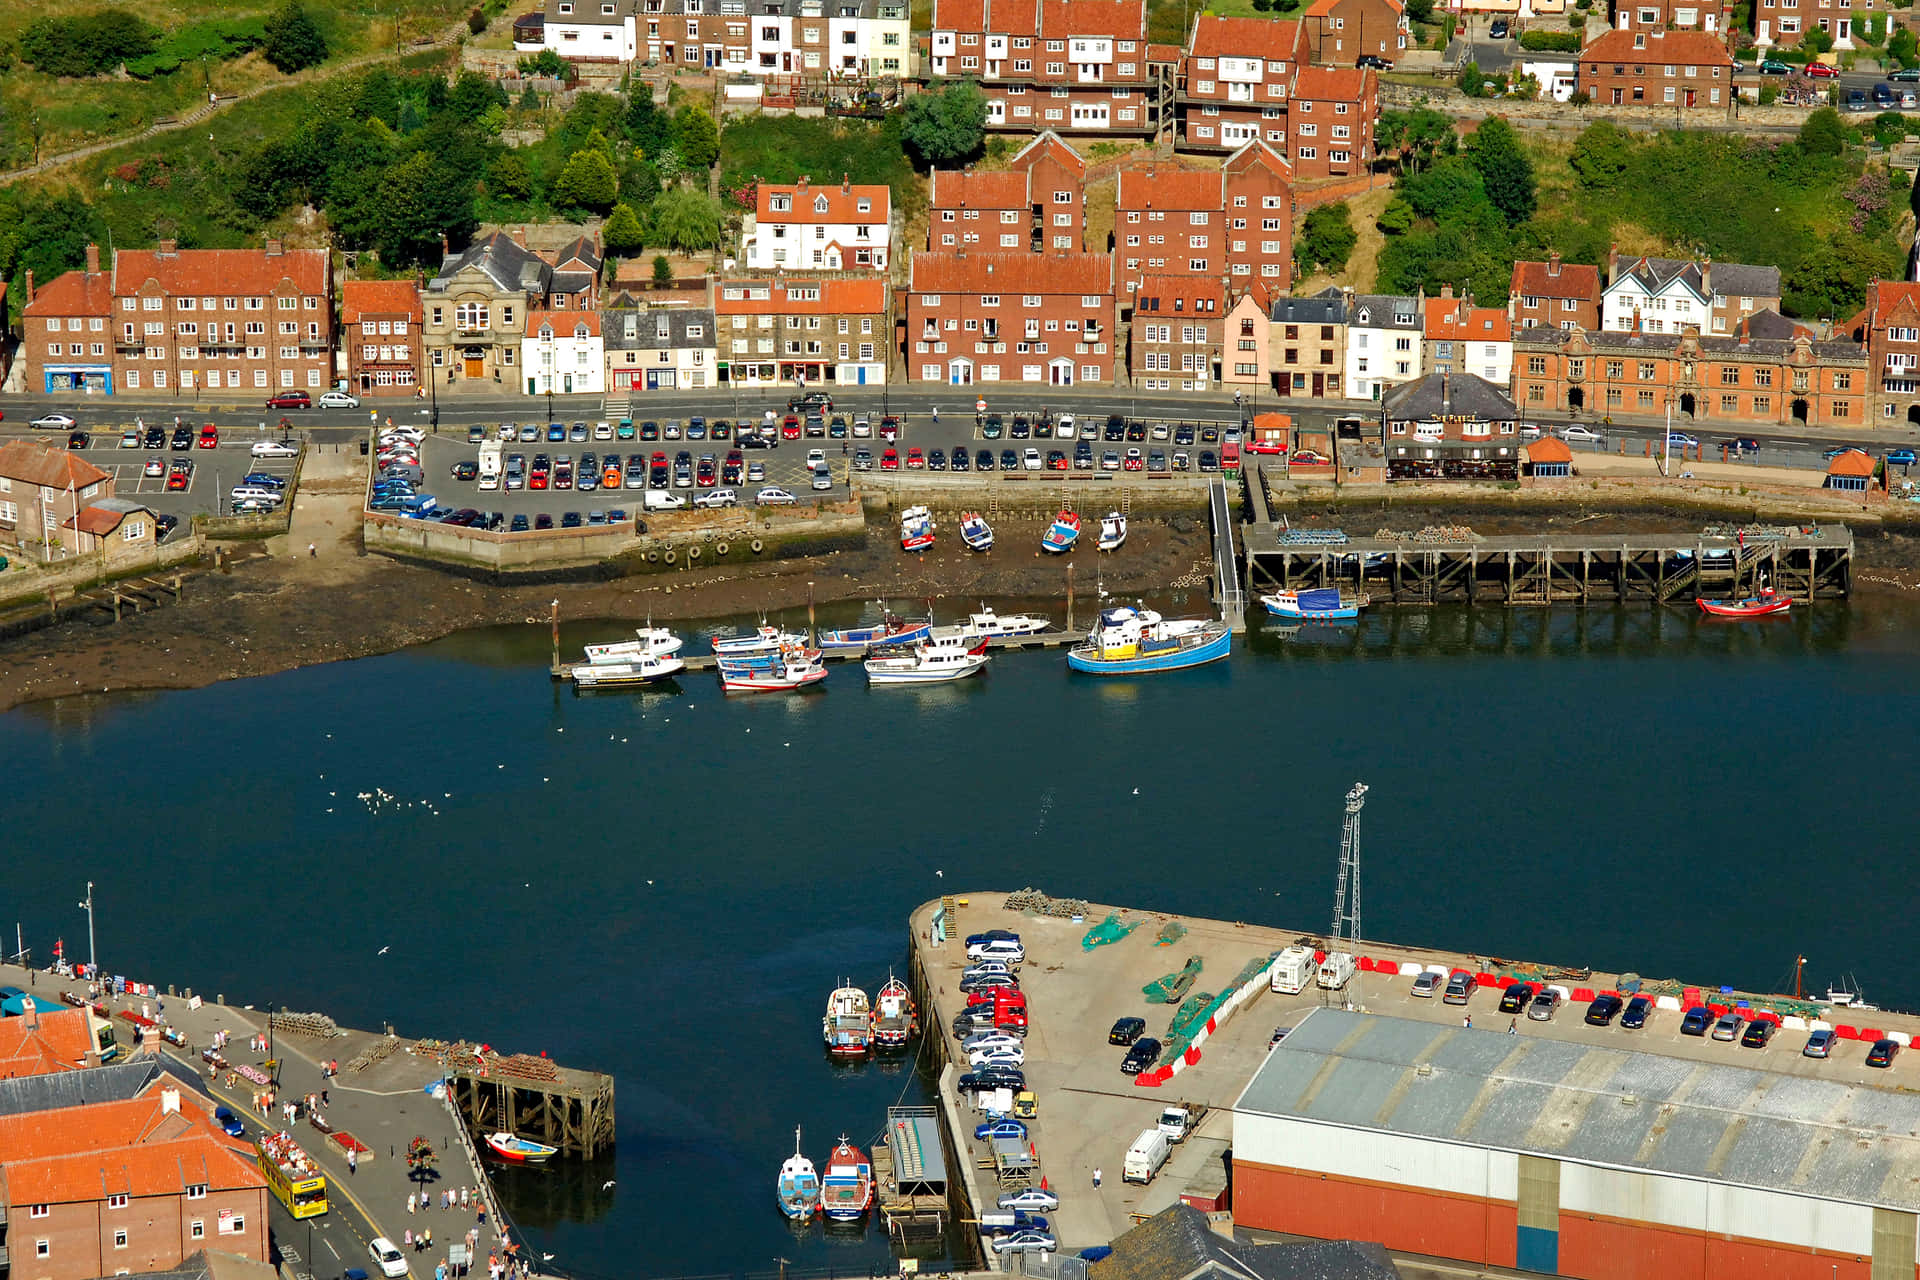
1664 295
1178 332
380 332
1330 122
1234 224
1681 15
1010 317
1560 295
824 330
1234 79
806 38
43 491
1339 32
1037 204
1074 66
1889 328
1307 343
1460 337
1245 363
1685 70
1256 189
64 339
828 227
1451 426
46 1041
1743 379
1784 24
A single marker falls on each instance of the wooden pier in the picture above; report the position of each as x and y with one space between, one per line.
535 1098
1806 563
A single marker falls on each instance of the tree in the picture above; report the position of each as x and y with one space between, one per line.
90 44
623 233
1472 83
1397 218
472 94
687 219
697 138
1817 40
294 43
508 177
945 128
662 270
1416 135
648 128
1600 154
544 63
587 181
476 21
1903 47
529 100
1824 134
411 205
1326 238
1494 152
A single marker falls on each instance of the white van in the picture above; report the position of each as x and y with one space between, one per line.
1145 1156
662 500
1293 971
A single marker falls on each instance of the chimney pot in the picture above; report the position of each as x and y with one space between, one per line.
802 184
1446 291
274 247
1553 265
846 184
29 286
93 259
169 246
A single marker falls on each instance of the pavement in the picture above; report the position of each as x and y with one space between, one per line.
383 1106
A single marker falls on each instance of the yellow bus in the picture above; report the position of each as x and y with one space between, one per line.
293 1176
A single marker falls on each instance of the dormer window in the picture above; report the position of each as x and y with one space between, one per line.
546 333
780 204
1366 315
580 331
566 9
819 204
606 10
865 206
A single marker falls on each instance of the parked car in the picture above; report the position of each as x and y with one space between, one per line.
1603 1010
1515 997
1578 432
1541 1007
992 1129
718 498
1697 1020
1029 1199
1820 1043
290 400
1900 457
1140 1056
1821 71
274 449
1373 62
388 1259
1127 1030
338 400
1459 987
1025 1242
1636 1015
774 496
1881 1055
1775 67
1427 984
1728 1026
1758 1032
1499 30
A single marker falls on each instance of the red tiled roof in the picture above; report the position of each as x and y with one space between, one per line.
1049 145
378 297
1324 8
1446 318
1169 54
563 322
132 1147
1851 463
1549 449
1152 187
1216 37
220 271
98 521
1576 280
1682 48
1120 19
842 203
854 297
1258 154
1186 290
60 1043
1072 273
51 468
959 15
1885 297
74 294
971 189
1334 84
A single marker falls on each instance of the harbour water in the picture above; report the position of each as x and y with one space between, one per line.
666 884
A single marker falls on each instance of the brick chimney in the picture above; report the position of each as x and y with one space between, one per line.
274 247
29 286
1553 265
801 186
93 259
169 247
1706 279
1446 392
445 250
1613 262
1446 291
846 184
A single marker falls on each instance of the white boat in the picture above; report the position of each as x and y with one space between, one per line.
763 639
519 1150
931 662
656 642
1113 531
1129 641
975 531
791 666
640 668
1127 624
916 529
988 623
799 1186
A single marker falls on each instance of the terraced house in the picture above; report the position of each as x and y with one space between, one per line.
776 330
1037 204
744 37
380 334
658 348
1010 317
1889 328
1664 295
1073 66
830 227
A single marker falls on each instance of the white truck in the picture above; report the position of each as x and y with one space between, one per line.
1145 1156
1336 969
490 465
1293 970
1181 1119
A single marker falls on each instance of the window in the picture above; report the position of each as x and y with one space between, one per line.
120 1238
38 1210
113 1201
234 1226
42 1249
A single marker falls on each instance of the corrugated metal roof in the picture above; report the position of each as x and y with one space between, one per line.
1598 1105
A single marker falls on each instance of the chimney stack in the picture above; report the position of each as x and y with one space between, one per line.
1553 265
33 1013
274 247
29 286
1613 262
1706 279
801 186
846 184
1446 291
445 251
1446 392
169 247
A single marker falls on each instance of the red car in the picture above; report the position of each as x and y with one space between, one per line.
537 480
916 460
889 459
179 478
209 436
1821 71
1257 445
890 428
790 428
291 400
707 474
1134 462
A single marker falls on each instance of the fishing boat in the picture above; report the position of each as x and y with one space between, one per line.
975 531
762 639
895 630
931 662
791 666
1062 533
519 1150
1129 641
846 1190
1321 604
639 668
990 624
916 529
653 641
799 1186
847 1027
1113 532
1752 607
896 1018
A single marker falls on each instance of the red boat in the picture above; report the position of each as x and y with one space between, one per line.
1752 607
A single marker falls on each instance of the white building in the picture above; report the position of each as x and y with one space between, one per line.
809 38
826 228
563 353
591 30
1383 344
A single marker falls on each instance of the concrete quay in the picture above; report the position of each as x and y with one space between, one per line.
383 1104
1088 1112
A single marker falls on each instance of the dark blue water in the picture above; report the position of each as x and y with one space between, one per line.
666 885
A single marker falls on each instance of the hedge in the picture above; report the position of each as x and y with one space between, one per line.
1556 41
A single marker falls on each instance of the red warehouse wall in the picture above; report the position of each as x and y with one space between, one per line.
1429 1222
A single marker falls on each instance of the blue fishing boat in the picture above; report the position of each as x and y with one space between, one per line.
975 531
1131 642
799 1185
895 630
1062 533
1321 604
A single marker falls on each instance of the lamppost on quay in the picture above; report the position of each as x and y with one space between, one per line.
93 955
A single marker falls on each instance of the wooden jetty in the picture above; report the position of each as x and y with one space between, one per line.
535 1098
910 1169
1806 562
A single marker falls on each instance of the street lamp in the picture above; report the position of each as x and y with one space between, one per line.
93 955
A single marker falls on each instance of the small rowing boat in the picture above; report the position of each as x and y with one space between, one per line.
519 1150
916 529
1759 606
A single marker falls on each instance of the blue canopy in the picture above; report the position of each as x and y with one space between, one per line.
1320 598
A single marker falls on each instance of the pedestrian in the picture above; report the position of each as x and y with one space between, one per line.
439 1271
463 1197
353 1163
429 1237
408 1241
325 1101
312 550
1469 1022
423 1200
409 1202
1096 1177
1513 1026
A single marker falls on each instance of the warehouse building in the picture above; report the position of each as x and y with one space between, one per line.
1572 1158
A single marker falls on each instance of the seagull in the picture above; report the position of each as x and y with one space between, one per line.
939 873
382 951
1136 791
607 1184
546 1257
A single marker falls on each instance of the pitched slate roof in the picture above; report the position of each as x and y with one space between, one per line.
1448 395
35 463
378 297
1329 306
506 264
1081 273
1178 1244
632 329
1730 279
115 1082
1385 311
